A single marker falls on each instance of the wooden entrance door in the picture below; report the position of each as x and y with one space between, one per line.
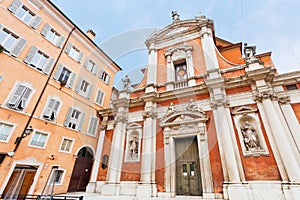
81 171
188 176
20 182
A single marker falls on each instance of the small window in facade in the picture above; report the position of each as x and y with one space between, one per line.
58 177
7 39
84 88
291 87
104 76
180 71
39 60
51 110
64 76
74 119
20 97
99 97
91 66
52 35
66 145
25 14
39 139
11 42
74 52
5 131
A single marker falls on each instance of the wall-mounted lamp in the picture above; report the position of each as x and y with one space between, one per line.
26 133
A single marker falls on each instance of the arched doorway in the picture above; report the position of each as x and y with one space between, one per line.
82 170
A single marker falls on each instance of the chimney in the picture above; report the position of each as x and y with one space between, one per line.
91 34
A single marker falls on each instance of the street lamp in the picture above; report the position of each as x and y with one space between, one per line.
26 133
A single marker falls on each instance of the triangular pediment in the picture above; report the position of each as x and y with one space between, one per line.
243 110
134 126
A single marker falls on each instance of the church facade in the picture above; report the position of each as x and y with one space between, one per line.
210 119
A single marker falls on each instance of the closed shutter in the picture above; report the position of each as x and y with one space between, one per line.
15 6
107 79
95 70
86 62
46 29
77 89
68 116
18 48
24 98
55 110
58 71
48 66
60 41
101 74
16 96
99 97
49 108
92 126
90 90
30 54
69 47
82 115
79 59
35 22
71 80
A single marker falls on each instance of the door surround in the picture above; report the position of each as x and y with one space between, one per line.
182 124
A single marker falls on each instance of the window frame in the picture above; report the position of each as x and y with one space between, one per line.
56 99
71 146
25 14
90 124
40 132
97 96
61 178
11 131
20 98
9 35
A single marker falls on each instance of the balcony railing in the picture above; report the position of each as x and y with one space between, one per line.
180 84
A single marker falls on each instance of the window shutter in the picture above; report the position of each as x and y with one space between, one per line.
35 22
68 116
95 70
16 95
60 41
46 29
18 48
90 91
30 54
55 109
24 98
58 71
79 59
81 121
71 80
69 46
108 79
15 6
99 97
92 126
100 73
77 89
48 66
86 62
49 108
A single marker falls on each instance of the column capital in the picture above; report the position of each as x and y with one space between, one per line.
284 99
259 96
121 117
216 102
149 114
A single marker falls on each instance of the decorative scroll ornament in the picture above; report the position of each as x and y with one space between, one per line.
214 103
268 94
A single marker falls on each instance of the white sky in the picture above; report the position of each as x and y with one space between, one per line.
122 25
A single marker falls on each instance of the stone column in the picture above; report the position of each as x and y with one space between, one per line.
92 184
285 151
146 189
170 72
152 70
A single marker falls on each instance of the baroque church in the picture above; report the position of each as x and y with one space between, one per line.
210 119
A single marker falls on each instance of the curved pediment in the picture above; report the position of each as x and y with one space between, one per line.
179 28
183 117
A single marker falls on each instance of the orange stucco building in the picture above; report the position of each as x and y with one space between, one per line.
210 119
53 80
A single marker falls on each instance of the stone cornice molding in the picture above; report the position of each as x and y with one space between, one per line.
121 103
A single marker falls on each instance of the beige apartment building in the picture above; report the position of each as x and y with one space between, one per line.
53 80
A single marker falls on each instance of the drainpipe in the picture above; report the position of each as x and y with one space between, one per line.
19 139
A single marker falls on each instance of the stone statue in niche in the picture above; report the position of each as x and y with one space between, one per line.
133 148
251 139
